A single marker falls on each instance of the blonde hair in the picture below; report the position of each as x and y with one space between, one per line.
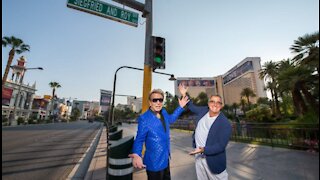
156 91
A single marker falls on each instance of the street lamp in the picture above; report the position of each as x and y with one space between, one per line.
126 95
17 99
172 78
113 108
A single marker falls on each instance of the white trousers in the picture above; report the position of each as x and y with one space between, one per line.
203 171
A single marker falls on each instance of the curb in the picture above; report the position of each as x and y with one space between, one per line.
81 168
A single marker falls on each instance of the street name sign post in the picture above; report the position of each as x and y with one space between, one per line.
105 10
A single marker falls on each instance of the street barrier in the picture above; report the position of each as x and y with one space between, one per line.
113 129
115 135
120 166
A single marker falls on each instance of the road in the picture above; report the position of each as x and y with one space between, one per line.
48 151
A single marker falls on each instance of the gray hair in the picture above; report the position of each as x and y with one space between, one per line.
216 95
156 91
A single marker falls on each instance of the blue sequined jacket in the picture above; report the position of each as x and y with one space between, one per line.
156 139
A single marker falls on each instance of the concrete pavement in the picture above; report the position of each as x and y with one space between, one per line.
245 161
97 168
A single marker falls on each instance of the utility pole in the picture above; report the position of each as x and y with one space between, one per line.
147 75
146 10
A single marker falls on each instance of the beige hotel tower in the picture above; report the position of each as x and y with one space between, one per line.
229 85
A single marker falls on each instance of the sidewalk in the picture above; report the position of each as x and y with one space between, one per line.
97 168
245 161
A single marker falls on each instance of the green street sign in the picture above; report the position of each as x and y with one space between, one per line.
105 10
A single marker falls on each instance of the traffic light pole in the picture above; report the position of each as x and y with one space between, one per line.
146 10
147 76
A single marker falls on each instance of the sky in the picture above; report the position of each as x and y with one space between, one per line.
204 38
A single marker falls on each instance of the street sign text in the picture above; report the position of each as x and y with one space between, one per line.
105 10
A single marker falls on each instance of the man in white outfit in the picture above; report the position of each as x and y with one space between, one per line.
211 137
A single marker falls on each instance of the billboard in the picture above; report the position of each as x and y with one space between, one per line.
6 96
105 99
41 104
196 85
247 66
196 82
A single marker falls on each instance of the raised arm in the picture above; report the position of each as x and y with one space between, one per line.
183 101
183 90
195 109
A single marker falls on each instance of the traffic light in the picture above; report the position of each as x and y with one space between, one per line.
158 53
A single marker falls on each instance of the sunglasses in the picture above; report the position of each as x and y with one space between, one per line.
215 102
157 99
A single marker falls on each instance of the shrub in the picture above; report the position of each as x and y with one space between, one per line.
32 121
20 120
261 113
309 117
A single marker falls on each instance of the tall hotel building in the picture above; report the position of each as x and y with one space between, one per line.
229 85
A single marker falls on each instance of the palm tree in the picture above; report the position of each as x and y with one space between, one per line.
269 74
17 46
235 106
306 49
243 105
296 79
247 93
54 85
271 86
227 107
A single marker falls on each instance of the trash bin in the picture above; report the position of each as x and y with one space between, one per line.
120 165
115 135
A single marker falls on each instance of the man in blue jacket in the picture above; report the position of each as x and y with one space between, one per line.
210 139
153 130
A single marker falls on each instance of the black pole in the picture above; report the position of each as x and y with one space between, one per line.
110 118
111 115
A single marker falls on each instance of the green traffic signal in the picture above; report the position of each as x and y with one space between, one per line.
158 60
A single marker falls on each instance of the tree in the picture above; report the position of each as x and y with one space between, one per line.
17 46
226 108
306 49
263 100
243 105
75 114
235 106
270 86
202 99
247 93
261 113
296 79
54 85
269 72
171 103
